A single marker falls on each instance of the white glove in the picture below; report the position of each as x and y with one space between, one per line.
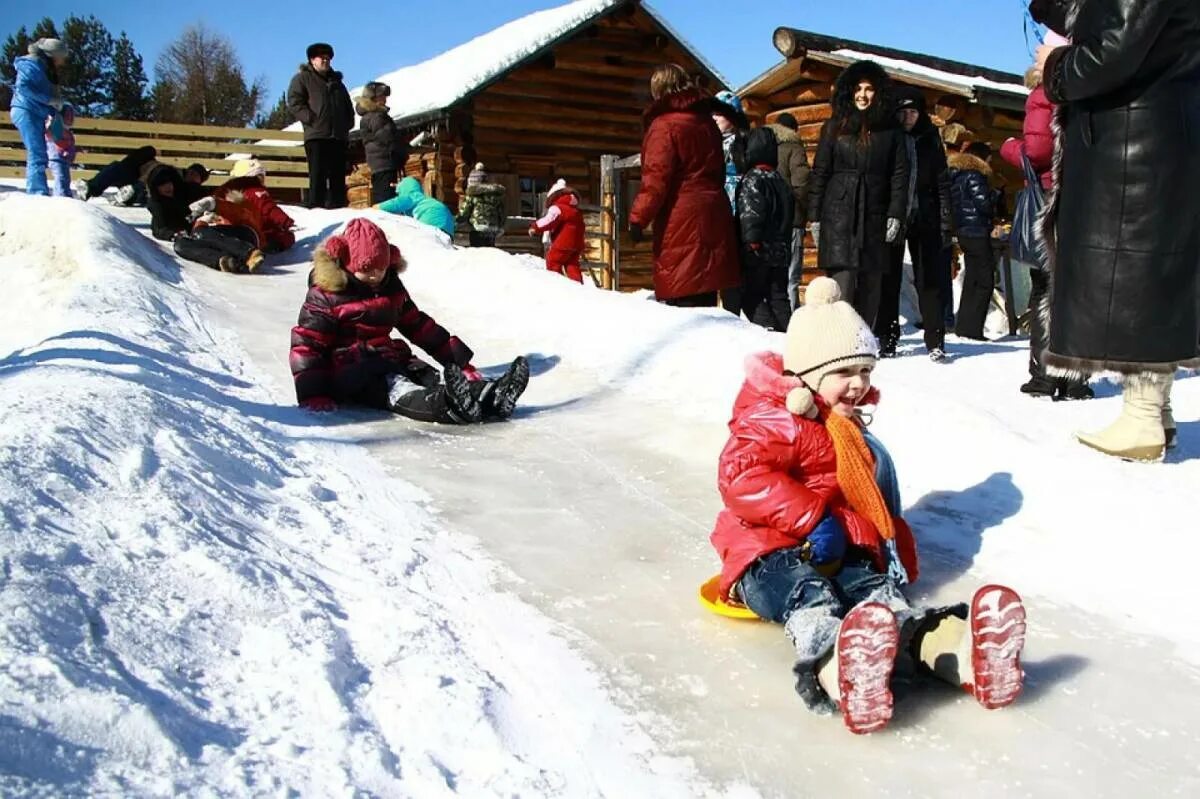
893 229
202 206
815 227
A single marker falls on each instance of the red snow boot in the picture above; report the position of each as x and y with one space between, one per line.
865 655
997 637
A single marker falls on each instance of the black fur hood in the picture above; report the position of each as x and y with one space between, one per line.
880 115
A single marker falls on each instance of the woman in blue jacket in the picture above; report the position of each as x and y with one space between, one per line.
35 100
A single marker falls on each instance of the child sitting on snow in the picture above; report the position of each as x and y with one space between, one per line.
343 352
811 535
60 150
564 222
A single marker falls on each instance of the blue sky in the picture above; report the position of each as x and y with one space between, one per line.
373 38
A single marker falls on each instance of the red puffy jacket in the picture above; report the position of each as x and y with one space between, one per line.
565 223
1039 138
683 195
270 222
778 479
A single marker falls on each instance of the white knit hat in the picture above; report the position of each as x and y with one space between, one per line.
560 187
54 48
824 335
248 168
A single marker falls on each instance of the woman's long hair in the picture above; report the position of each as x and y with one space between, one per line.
880 116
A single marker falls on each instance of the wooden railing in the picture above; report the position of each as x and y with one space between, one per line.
101 141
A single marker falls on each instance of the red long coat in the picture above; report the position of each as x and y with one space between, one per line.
683 195
778 479
1039 138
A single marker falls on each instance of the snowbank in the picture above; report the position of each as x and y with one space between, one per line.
203 592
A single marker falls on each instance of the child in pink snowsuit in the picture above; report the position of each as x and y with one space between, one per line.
564 222
812 535
60 150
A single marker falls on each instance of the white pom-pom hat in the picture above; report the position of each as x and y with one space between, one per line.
824 335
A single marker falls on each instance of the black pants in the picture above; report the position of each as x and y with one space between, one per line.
209 244
485 238
383 187
121 173
930 266
862 288
326 173
887 319
765 292
1038 338
979 281
708 300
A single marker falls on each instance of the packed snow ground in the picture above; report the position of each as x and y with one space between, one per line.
595 502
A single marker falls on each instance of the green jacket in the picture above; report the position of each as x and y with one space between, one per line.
484 208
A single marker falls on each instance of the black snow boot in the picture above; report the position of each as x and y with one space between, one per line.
1040 386
461 403
1073 390
499 397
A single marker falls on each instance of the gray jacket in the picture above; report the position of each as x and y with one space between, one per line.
321 104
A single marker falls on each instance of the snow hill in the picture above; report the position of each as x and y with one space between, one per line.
205 591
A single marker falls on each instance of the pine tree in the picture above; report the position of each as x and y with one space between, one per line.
127 85
199 81
87 76
277 118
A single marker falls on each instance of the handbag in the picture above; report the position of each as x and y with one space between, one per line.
1023 244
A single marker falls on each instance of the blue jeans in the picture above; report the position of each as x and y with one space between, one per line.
60 173
780 583
33 134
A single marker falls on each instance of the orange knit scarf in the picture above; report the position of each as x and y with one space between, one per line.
856 473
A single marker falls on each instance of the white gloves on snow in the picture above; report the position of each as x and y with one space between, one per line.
815 227
893 229
202 206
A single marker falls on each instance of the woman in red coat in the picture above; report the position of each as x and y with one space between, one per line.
683 194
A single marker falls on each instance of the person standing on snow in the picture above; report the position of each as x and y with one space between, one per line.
36 99
318 100
974 205
811 534
483 208
683 194
765 210
60 149
793 166
1121 227
564 222
927 233
342 350
385 150
858 189
734 126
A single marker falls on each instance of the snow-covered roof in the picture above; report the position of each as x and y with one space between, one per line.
901 67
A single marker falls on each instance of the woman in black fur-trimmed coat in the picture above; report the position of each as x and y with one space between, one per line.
858 187
1122 224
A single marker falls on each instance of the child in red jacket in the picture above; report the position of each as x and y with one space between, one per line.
343 350
564 222
811 535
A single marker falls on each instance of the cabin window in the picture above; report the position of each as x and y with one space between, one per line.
532 196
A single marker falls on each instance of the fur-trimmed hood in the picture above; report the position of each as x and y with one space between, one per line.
880 116
328 274
965 162
367 105
485 189
784 134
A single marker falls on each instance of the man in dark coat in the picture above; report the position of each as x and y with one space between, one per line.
793 166
318 99
927 231
1122 224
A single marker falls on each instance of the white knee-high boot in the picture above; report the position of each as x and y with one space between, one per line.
1138 433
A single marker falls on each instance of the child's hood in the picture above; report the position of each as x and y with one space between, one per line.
762 148
410 187
368 105
965 162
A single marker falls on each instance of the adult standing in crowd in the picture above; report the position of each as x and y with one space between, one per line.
734 126
1037 144
858 188
318 99
793 166
683 194
36 100
1122 224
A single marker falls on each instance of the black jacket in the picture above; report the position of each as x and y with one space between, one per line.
321 104
933 207
384 147
765 205
169 215
793 166
1122 226
859 180
971 195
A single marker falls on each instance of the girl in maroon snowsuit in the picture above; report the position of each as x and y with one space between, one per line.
343 352
564 222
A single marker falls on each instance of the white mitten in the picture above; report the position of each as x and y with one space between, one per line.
202 206
815 227
893 229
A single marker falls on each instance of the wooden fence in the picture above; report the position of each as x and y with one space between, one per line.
101 141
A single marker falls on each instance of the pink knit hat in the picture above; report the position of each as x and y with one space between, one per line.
362 247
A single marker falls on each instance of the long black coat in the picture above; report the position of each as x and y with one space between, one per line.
1122 226
932 214
321 104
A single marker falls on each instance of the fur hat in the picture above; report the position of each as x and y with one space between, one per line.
825 335
248 168
51 48
319 48
882 113
362 246
478 175
374 90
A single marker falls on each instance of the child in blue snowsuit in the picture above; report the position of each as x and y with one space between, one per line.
410 200
60 146
35 100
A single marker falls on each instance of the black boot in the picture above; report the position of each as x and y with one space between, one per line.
889 341
499 397
1040 386
1073 390
461 402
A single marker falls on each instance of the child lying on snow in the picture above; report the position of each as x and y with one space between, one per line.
342 349
811 535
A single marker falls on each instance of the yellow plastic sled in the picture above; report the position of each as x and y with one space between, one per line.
710 598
